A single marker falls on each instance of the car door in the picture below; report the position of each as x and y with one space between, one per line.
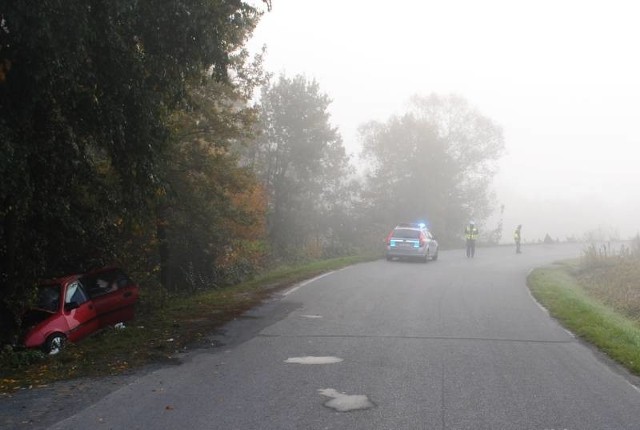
116 301
79 312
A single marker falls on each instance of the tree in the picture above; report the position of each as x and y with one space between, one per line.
474 142
432 164
301 160
403 157
210 212
85 92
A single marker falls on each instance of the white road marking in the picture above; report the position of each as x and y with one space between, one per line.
634 386
313 360
291 290
307 282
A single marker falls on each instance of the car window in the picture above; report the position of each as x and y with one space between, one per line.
121 280
49 297
405 233
105 282
75 293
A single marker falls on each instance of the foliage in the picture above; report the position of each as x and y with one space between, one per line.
404 154
10 359
211 211
433 164
613 277
300 159
493 236
86 89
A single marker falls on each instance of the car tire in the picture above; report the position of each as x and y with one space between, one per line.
389 258
435 256
54 344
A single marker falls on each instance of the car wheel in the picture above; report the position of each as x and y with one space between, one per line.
54 344
389 258
426 257
435 256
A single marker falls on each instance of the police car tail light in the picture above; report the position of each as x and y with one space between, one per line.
423 240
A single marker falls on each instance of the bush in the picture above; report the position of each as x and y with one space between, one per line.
12 359
613 277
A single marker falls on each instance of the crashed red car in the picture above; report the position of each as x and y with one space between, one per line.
75 306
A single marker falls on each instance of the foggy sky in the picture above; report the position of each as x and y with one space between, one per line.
562 78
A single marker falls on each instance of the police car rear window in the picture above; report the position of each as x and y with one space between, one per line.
405 233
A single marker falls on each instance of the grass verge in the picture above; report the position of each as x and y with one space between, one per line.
155 336
558 290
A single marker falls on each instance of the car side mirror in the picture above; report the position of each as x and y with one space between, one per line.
71 306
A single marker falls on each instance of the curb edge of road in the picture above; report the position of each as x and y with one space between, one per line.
615 367
569 332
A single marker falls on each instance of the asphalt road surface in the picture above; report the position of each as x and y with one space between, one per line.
453 344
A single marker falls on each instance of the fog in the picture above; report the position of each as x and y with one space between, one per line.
561 78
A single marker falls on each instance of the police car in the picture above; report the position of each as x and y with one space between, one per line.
411 241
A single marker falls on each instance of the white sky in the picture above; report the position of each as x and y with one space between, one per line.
561 77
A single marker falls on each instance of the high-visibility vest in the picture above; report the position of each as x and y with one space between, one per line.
471 232
516 235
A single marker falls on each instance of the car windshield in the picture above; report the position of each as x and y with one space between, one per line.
49 297
406 233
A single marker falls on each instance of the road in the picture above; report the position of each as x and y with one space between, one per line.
453 344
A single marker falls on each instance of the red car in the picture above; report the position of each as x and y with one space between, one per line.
75 306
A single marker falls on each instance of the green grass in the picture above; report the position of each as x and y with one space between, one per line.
158 332
558 289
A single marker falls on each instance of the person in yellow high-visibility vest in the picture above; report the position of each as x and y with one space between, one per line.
517 238
471 234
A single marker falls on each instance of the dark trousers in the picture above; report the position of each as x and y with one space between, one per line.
518 247
471 248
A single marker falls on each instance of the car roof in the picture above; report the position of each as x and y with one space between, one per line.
62 280
408 224
66 279
414 226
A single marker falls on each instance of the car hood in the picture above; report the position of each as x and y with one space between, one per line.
34 317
